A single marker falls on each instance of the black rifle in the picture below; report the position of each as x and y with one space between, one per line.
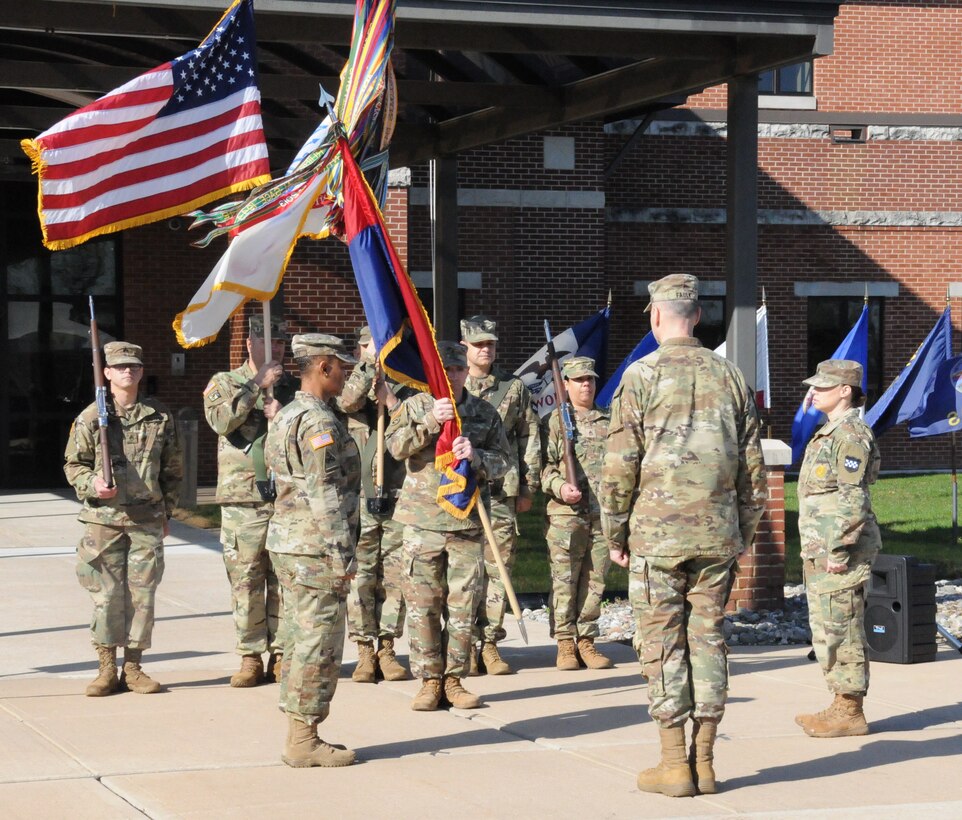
564 411
101 396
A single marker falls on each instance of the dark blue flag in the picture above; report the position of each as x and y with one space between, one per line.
854 348
942 408
643 348
904 398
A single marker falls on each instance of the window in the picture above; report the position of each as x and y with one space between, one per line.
830 318
791 80
711 330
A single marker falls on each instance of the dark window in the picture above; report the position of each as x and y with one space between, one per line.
830 318
427 299
792 79
711 330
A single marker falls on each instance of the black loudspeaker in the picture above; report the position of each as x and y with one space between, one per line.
900 610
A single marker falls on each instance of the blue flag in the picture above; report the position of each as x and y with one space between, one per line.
643 348
941 411
904 398
854 347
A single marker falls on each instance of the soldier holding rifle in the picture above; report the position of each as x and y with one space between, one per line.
123 459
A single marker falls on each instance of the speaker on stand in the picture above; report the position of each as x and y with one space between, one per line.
900 610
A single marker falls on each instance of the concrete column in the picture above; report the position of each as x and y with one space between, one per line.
444 251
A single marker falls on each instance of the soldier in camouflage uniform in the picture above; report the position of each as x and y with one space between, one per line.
443 554
375 607
311 538
512 494
682 488
120 560
577 546
237 406
840 539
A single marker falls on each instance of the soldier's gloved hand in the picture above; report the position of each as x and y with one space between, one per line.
570 494
102 490
462 449
383 393
268 375
443 410
619 556
271 408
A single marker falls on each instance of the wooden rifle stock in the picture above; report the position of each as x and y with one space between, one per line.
564 412
101 397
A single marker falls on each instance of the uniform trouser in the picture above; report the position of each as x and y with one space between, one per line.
579 558
493 599
375 607
837 620
442 579
255 594
121 568
679 610
315 610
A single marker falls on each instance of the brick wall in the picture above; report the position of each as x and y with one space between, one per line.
760 584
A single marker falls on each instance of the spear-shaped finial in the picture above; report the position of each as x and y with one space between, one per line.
948 295
866 293
764 297
609 297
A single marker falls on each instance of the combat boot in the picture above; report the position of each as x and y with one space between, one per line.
474 669
388 663
493 661
846 720
591 656
133 677
106 681
567 659
251 672
366 669
806 720
457 695
274 664
304 748
429 697
702 755
671 776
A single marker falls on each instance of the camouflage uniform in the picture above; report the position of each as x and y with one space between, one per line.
311 538
442 554
577 545
835 520
234 409
375 607
511 399
120 560
683 487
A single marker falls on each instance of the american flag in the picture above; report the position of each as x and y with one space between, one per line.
171 140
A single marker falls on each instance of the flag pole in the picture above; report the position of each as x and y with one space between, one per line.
266 307
502 569
955 496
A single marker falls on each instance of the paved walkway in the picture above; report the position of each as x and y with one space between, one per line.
547 744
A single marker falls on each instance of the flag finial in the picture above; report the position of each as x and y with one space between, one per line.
764 297
866 293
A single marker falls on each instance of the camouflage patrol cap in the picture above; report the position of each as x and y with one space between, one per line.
453 354
306 345
833 372
673 287
575 367
118 353
363 335
479 329
256 327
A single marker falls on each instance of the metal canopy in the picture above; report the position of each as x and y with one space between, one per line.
469 72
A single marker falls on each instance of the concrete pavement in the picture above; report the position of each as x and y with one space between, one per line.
546 743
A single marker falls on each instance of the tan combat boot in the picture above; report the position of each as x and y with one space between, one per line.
429 697
671 776
567 659
493 661
304 748
457 695
846 720
251 672
702 755
106 681
274 664
592 657
388 663
473 668
133 677
806 720
366 669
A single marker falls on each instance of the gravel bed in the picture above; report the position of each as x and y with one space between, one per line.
776 627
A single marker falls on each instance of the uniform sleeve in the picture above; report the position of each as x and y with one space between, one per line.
751 483
80 459
227 403
529 446
491 459
625 448
171 466
318 453
852 460
412 428
355 394
552 473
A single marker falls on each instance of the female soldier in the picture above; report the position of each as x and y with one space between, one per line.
839 539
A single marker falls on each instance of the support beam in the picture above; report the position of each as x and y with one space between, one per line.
741 264
444 251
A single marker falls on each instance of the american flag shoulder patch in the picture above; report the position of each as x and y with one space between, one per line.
210 386
322 440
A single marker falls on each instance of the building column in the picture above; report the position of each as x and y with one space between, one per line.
444 247
741 266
